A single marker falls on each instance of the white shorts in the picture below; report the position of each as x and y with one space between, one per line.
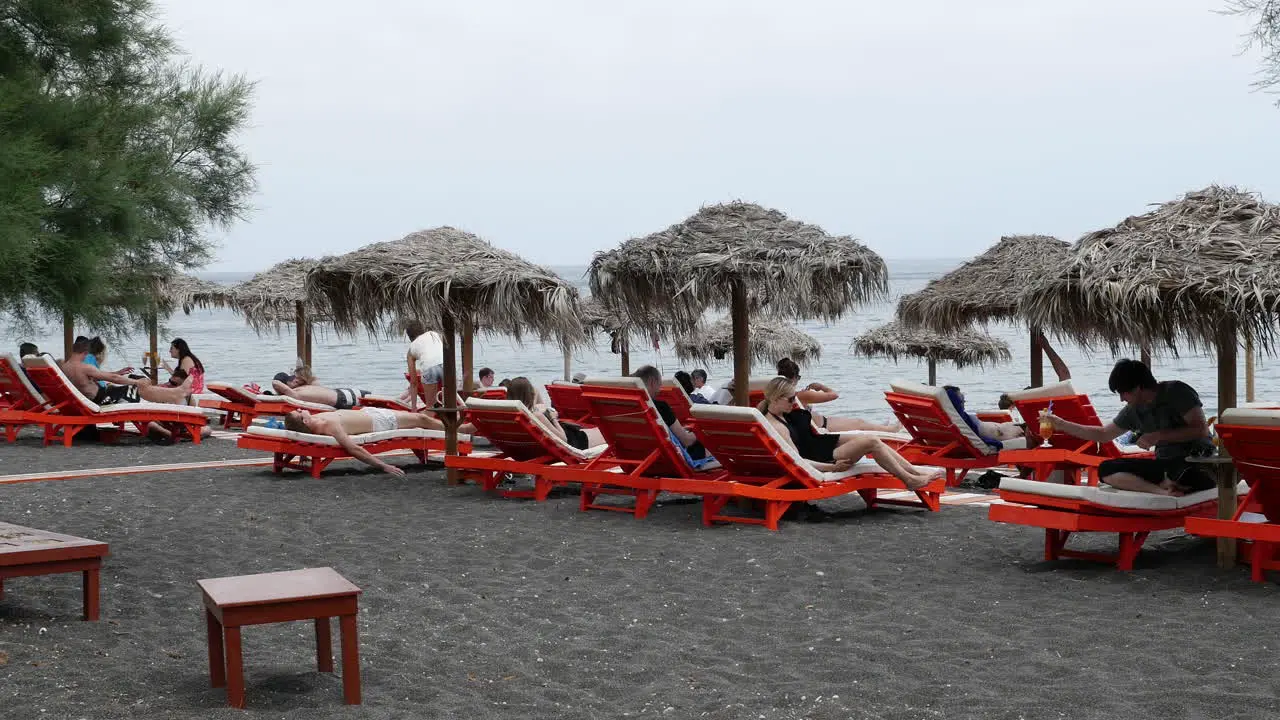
383 419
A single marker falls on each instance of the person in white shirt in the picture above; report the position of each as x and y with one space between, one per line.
700 385
425 358
723 396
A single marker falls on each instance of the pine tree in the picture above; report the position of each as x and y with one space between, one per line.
114 159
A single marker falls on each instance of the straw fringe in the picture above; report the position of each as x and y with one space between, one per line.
964 347
768 342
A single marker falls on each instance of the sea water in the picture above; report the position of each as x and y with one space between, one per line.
232 352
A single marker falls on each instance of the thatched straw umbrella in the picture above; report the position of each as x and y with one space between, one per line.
277 296
1204 269
452 275
741 257
988 288
618 324
770 340
962 347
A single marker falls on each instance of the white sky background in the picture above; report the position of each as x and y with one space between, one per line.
559 128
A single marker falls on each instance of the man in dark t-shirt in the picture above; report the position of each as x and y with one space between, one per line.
1168 418
652 380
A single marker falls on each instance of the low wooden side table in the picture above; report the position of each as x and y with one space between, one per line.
311 594
26 551
1224 475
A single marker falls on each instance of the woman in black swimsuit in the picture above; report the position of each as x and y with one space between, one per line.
831 452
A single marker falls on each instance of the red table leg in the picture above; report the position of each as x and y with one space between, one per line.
235 668
217 663
350 660
324 645
90 592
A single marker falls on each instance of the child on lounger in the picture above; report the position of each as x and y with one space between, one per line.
827 452
342 424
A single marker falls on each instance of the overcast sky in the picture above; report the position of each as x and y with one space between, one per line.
559 128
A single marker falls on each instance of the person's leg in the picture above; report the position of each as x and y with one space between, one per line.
410 420
845 424
164 394
853 447
1137 475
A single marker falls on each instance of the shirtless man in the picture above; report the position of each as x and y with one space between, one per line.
302 386
85 378
342 424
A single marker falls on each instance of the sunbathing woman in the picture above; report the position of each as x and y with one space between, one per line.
819 393
549 418
832 453
302 386
342 424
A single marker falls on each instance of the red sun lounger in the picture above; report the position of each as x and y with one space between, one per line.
1074 407
939 436
68 411
22 399
760 465
524 447
1065 509
313 453
566 398
1252 438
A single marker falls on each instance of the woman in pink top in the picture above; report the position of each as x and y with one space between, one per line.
188 366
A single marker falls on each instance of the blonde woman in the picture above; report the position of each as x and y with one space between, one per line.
831 452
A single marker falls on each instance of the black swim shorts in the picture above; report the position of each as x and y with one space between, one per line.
1186 476
114 394
348 398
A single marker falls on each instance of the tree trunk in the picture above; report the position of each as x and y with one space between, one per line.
741 341
300 324
933 372
1037 359
153 331
68 334
626 356
1146 355
450 389
468 351
1226 367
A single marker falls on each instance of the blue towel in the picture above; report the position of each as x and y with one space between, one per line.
695 464
971 420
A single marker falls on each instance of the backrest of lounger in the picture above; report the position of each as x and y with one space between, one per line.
1252 437
674 395
630 423
231 392
15 385
567 399
1068 405
928 414
749 447
57 386
755 390
511 428
493 393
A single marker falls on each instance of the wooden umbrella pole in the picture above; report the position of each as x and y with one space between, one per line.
311 331
1227 367
450 391
933 372
1248 370
468 350
741 338
153 332
68 333
626 356
300 324
1037 359
1145 353
568 363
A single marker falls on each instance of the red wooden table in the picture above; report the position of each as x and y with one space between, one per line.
25 552
312 594
1043 461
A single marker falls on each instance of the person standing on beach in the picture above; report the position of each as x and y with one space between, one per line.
1170 419
425 359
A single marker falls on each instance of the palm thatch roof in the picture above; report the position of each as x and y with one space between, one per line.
1194 269
769 341
796 270
430 273
987 287
270 298
963 347
189 292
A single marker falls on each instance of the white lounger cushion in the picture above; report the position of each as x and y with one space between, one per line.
476 403
749 414
16 365
906 387
247 397
1058 389
1257 417
35 361
1108 496
362 439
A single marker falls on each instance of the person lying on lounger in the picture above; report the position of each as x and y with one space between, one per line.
1171 420
1059 367
987 430
549 418
302 386
116 388
829 452
819 393
342 424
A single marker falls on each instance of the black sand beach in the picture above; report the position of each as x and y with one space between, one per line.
478 607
